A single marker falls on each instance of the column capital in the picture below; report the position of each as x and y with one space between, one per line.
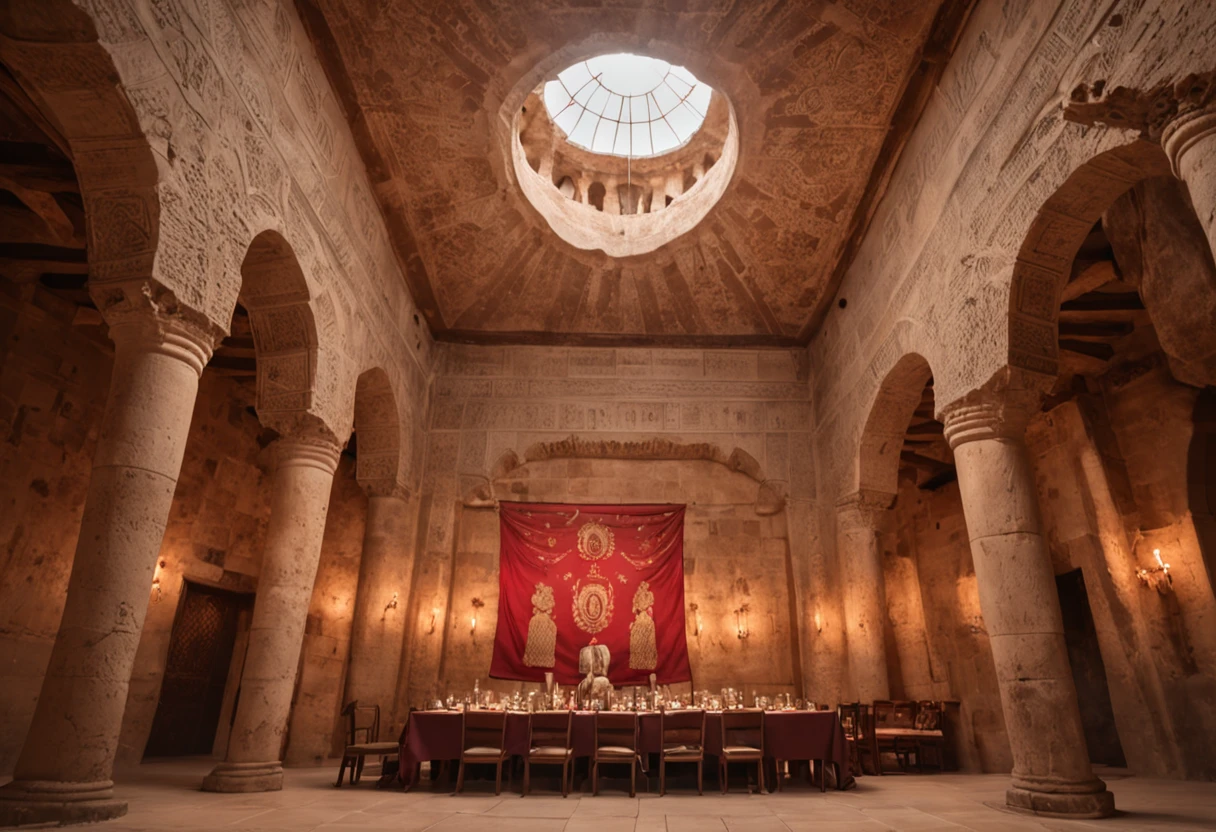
315 448
191 340
863 509
1185 131
999 409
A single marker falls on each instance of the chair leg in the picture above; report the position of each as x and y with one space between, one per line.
760 775
498 778
722 775
527 775
595 779
700 786
633 777
662 775
341 771
779 776
460 778
823 775
357 771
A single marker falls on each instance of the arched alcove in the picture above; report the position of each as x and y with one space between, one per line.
882 438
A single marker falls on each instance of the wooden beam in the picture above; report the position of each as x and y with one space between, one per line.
1098 274
1103 301
1094 349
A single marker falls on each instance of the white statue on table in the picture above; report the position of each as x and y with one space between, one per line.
595 687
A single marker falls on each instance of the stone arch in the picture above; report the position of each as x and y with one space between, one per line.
479 489
891 410
278 300
1051 244
71 83
377 432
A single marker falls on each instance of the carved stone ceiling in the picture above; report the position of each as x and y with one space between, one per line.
817 89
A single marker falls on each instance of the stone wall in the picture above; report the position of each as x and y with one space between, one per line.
53 383
1112 485
54 378
501 416
937 646
732 556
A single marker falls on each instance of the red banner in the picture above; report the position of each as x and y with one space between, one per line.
572 575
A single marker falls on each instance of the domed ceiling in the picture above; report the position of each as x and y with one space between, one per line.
824 95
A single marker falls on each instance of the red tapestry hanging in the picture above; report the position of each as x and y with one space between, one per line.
571 576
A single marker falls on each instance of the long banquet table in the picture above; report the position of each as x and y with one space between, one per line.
788 735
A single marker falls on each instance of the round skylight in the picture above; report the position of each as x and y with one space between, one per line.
627 105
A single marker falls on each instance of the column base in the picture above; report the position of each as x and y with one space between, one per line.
50 801
245 777
1096 802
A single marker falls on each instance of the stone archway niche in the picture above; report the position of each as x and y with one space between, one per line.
581 223
479 490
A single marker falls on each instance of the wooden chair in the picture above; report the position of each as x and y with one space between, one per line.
742 742
930 736
857 720
893 722
616 741
683 741
362 740
483 739
549 744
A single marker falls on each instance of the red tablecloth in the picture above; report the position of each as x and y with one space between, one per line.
788 735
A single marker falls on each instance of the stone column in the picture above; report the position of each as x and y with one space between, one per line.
299 502
382 601
1190 143
64 772
1051 771
858 518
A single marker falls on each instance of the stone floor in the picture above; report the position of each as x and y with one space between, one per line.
166 796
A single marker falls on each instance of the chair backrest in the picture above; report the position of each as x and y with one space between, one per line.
619 729
361 720
483 729
850 719
928 716
884 713
549 729
743 728
903 715
682 728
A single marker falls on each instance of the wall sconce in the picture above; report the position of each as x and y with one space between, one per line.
434 618
1158 576
477 605
698 626
160 564
741 627
818 622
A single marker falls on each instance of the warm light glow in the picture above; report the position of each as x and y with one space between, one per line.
741 627
434 618
818 622
1158 576
160 564
473 625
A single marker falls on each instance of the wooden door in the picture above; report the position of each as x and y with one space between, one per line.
200 654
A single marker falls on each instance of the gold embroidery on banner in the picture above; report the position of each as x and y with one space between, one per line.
643 654
541 648
592 605
595 541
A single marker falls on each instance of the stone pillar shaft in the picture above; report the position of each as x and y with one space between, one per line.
857 525
1016 583
299 502
64 771
378 631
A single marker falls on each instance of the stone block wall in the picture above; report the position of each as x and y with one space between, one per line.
702 427
54 379
1112 483
937 645
53 383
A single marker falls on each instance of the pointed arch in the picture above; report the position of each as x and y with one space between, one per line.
882 438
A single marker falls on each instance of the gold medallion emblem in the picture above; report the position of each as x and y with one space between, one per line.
592 604
595 541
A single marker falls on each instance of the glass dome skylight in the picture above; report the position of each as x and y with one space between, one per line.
627 105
